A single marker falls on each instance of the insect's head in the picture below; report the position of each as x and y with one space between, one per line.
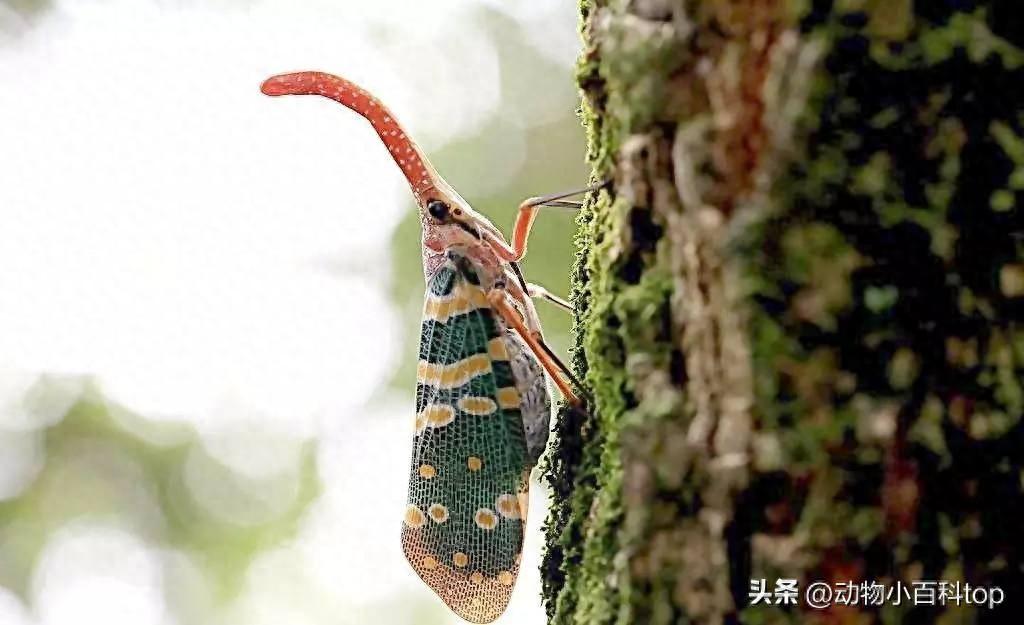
447 223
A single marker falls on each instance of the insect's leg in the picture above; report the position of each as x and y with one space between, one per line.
517 288
527 213
536 291
560 374
520 290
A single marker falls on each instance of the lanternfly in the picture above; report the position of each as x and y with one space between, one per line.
482 397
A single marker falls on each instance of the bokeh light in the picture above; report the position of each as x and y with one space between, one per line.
211 297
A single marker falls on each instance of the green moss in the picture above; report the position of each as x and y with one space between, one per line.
636 58
971 33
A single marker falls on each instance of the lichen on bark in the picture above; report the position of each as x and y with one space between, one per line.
798 309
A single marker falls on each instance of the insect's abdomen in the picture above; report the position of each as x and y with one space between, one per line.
534 393
468 480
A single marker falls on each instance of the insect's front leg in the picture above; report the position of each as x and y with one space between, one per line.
556 369
524 221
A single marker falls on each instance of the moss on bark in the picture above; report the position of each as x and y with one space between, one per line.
800 304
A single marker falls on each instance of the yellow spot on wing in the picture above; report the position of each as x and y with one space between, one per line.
438 513
505 578
453 375
508 397
508 506
486 519
438 415
460 559
474 463
476 577
463 300
427 471
496 349
479 406
430 562
414 516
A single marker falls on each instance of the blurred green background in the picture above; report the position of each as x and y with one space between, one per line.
172 451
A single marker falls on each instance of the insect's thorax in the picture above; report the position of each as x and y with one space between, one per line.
489 268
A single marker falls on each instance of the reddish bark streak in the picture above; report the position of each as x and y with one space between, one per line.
741 145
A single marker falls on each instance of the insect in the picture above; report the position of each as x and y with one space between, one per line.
482 396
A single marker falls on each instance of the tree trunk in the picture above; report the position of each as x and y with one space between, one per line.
800 302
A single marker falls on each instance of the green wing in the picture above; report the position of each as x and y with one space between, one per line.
468 480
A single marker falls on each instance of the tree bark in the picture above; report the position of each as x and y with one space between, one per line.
799 311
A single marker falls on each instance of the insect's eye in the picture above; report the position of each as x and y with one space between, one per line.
437 209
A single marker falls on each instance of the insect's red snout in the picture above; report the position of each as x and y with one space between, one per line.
275 86
413 164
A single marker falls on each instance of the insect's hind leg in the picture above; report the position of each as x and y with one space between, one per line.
536 291
556 369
